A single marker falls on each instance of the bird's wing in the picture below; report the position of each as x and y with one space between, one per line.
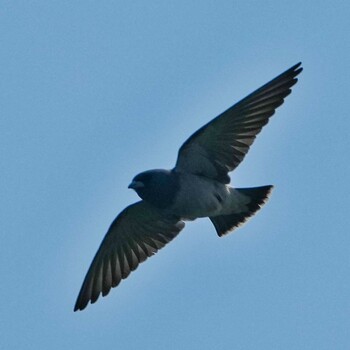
219 146
138 232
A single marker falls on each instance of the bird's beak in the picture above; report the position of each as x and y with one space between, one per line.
136 184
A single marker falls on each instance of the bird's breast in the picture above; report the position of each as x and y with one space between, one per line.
199 197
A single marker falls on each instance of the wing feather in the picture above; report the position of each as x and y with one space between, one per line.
137 233
219 146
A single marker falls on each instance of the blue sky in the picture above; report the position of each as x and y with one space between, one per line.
93 93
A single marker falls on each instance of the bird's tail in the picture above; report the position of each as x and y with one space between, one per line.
250 201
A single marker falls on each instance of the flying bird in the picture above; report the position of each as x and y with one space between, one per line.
197 187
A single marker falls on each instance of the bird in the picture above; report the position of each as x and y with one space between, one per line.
197 187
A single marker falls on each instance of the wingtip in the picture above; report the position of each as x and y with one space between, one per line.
297 68
79 306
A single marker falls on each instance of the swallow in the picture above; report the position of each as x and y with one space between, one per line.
197 187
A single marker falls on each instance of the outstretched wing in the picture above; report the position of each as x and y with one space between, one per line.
138 232
219 146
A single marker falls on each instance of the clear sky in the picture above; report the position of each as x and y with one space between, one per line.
94 92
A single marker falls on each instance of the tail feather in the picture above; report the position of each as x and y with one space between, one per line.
257 198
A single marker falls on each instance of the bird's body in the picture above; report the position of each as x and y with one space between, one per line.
197 187
200 197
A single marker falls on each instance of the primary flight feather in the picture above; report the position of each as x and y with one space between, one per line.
197 187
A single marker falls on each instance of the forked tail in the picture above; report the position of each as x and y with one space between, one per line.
256 198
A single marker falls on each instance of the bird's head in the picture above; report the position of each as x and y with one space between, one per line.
158 187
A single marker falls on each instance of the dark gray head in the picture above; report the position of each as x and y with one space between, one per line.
158 187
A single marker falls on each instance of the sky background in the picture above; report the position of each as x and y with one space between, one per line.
94 92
